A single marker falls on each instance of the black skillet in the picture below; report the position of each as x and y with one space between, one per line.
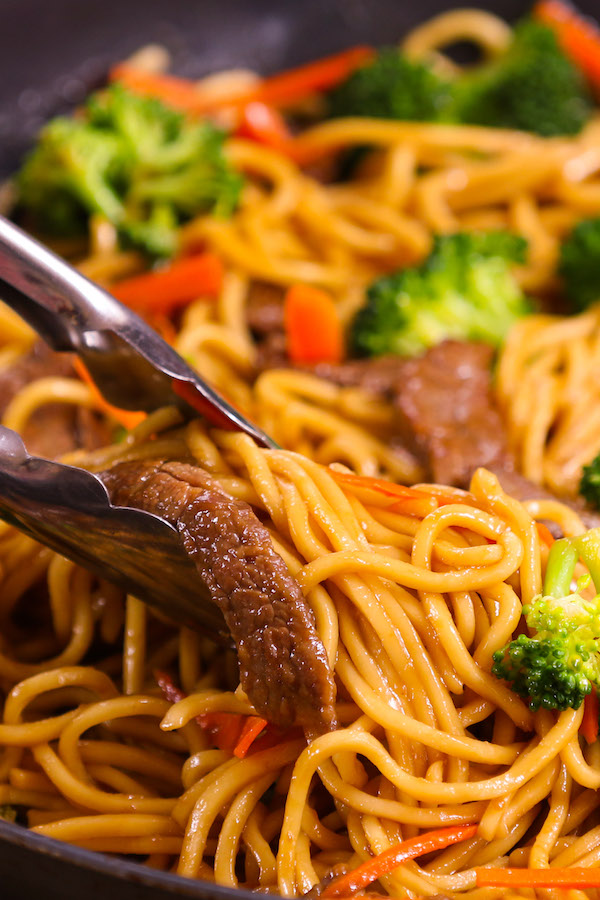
51 53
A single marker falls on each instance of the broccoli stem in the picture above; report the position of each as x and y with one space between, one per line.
562 560
588 545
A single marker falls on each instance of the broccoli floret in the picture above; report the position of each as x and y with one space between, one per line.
558 664
533 87
579 264
464 290
392 86
142 165
74 171
589 486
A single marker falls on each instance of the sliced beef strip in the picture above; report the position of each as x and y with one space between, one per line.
54 428
447 413
283 664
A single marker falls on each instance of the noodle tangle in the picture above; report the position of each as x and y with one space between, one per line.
409 609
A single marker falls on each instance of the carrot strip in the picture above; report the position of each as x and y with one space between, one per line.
265 125
232 732
224 728
390 859
320 75
399 498
279 90
253 727
166 290
591 712
578 35
312 325
563 878
127 418
544 534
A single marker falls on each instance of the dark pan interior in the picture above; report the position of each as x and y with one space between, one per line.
52 53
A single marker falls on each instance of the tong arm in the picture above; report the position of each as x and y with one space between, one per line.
69 510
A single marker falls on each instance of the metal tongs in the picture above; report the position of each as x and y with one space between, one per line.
67 508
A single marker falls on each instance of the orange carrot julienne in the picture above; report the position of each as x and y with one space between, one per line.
252 728
578 35
265 125
552 877
390 859
319 75
127 418
165 290
171 90
232 732
591 712
312 325
401 499
224 728
544 534
281 89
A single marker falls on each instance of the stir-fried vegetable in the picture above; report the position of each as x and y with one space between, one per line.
579 264
390 859
133 160
391 86
465 290
312 325
165 290
558 664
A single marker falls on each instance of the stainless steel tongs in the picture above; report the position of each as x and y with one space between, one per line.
67 508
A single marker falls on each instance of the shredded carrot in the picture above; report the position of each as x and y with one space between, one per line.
279 90
390 859
397 498
578 35
591 712
127 418
265 125
176 92
252 728
166 290
232 732
312 325
544 534
224 728
533 878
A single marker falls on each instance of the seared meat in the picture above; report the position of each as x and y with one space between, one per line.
447 412
447 415
377 376
283 664
54 428
264 314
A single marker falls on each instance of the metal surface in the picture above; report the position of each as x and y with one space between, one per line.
131 364
52 54
69 510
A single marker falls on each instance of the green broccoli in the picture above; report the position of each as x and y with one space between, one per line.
392 86
589 486
579 264
559 664
142 165
533 87
464 290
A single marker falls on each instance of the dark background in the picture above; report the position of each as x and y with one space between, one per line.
51 53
